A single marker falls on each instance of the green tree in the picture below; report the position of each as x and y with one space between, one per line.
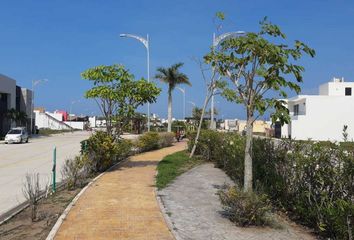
118 94
259 66
173 77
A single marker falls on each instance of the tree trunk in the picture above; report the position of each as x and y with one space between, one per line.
248 175
206 101
169 112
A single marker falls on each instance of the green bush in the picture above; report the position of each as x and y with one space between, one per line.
166 139
312 180
102 151
123 149
148 141
245 208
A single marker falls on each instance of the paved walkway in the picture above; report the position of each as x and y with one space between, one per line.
121 204
195 210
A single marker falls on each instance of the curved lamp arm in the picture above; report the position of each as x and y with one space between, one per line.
140 39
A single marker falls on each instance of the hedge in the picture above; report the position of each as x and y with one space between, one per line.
314 181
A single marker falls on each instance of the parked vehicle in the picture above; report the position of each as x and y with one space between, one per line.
17 135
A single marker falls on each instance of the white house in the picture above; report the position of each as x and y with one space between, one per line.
50 120
323 116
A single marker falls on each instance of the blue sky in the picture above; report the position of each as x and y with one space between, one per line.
58 39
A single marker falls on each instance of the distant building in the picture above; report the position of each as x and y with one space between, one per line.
59 120
236 125
323 116
13 97
54 121
230 125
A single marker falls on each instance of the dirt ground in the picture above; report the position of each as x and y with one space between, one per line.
21 226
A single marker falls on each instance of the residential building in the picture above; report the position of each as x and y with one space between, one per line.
13 97
323 116
236 125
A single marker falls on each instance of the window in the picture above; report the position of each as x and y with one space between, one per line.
348 91
296 109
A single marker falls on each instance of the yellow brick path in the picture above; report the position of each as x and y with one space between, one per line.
121 204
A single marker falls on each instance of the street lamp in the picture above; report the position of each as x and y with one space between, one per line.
184 101
193 106
35 83
146 43
216 41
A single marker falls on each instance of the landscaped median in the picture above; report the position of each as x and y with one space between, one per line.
100 153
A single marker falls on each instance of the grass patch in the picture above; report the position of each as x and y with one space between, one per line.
174 165
47 131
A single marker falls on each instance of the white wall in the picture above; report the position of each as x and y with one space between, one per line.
335 88
43 120
57 116
76 125
92 121
324 119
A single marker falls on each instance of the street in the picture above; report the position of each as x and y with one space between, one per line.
34 157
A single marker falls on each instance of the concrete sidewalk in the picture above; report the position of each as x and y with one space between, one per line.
121 204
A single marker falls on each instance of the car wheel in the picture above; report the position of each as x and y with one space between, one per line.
27 140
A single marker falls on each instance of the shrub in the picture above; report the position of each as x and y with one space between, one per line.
123 149
148 141
245 208
71 171
102 151
166 139
312 180
208 143
31 192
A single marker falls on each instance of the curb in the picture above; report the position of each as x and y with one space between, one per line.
63 216
164 214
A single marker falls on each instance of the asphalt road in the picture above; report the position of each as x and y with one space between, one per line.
34 157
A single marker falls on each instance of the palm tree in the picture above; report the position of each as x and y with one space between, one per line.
172 77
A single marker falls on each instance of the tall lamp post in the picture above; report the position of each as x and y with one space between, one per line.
193 106
184 101
35 83
146 43
216 41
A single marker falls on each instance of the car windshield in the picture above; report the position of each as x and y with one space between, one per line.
14 131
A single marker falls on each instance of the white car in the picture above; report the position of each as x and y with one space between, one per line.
17 135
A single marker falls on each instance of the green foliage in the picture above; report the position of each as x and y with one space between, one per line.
172 76
118 94
255 65
48 131
172 166
220 15
314 181
166 139
245 208
154 140
148 141
345 133
103 151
